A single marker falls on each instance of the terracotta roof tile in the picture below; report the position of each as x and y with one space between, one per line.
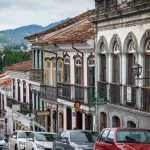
78 34
6 81
22 66
69 22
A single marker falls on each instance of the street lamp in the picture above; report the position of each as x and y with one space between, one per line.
137 69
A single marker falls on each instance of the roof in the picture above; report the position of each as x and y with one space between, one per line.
5 81
69 22
78 34
22 66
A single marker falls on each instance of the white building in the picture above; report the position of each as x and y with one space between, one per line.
123 40
63 66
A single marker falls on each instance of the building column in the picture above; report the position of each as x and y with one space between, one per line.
73 118
27 93
51 120
83 121
16 88
37 96
21 91
65 118
36 57
46 123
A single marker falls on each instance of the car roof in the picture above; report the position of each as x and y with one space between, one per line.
122 128
46 132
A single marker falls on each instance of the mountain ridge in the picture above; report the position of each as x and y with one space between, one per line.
14 38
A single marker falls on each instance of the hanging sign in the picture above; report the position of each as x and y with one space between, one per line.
77 104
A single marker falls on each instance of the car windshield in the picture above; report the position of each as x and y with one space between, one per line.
133 136
23 134
45 137
81 136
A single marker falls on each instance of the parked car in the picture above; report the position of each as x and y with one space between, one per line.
40 141
3 144
17 139
75 140
123 139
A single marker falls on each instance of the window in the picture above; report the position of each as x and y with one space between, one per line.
67 70
78 71
60 71
104 135
103 67
54 72
131 47
148 45
91 71
111 134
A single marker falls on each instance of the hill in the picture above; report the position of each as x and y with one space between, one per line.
14 38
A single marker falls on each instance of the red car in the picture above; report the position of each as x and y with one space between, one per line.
123 139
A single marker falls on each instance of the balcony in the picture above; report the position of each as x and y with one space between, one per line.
146 99
115 94
75 92
102 90
36 75
130 96
24 107
48 93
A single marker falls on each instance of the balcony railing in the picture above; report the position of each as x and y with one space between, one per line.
48 93
24 107
102 90
36 75
130 96
146 99
115 94
75 92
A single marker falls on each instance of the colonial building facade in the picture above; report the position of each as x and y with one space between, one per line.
122 41
66 73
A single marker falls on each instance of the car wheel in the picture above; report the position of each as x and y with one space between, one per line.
16 147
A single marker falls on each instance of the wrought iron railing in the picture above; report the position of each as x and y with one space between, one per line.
146 99
102 90
115 94
48 92
36 75
75 92
130 96
24 107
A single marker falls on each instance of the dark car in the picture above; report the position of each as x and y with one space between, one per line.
75 140
123 139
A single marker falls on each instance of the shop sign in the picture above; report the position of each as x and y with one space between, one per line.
129 94
43 113
77 104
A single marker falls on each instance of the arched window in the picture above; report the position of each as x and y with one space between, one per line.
54 71
47 71
78 71
67 70
91 71
14 89
60 70
147 62
131 58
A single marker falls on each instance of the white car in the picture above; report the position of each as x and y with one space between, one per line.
40 141
3 144
17 139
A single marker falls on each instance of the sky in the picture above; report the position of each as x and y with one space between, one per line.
16 13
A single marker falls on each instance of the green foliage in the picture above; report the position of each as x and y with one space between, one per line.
12 57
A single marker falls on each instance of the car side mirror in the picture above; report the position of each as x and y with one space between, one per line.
14 136
65 140
110 141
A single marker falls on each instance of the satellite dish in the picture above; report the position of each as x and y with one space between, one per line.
30 116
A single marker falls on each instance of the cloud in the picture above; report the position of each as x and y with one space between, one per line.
15 13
